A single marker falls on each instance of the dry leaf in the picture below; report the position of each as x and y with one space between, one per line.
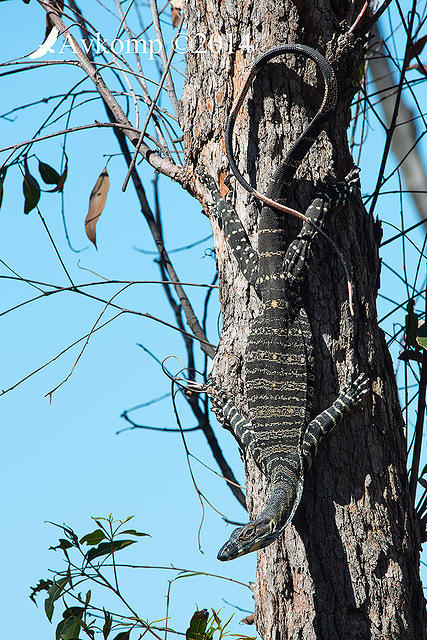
97 201
31 189
176 8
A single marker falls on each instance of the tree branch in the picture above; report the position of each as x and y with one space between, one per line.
160 164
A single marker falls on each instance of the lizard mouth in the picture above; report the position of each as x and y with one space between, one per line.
267 527
241 544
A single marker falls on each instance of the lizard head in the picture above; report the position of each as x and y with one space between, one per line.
255 535
261 532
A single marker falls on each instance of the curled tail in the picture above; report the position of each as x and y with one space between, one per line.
300 147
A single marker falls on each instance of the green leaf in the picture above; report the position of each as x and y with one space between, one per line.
43 585
93 538
73 611
217 619
90 632
53 594
2 177
135 533
68 629
48 173
63 544
198 624
123 635
31 190
422 336
105 548
107 624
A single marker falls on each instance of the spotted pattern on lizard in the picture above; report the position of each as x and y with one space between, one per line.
278 434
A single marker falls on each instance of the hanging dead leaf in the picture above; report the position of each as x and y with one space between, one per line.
62 178
55 178
30 188
51 33
97 201
176 8
48 173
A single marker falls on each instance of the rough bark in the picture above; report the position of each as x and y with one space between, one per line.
348 566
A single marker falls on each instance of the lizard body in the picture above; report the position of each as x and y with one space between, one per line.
279 355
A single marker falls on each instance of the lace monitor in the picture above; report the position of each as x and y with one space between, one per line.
279 355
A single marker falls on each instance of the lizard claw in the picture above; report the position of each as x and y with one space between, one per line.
195 387
227 181
358 388
206 179
352 179
338 192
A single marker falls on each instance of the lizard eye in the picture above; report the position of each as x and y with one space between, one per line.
247 533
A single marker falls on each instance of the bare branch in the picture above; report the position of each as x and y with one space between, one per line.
165 62
160 164
165 75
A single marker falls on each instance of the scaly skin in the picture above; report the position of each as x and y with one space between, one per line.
279 352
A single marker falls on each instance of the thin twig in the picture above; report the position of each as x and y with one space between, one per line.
160 164
50 393
165 62
150 112
57 356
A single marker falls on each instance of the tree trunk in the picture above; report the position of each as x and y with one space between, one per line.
348 565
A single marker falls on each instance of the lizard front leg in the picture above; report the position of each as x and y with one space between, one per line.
323 424
333 194
237 239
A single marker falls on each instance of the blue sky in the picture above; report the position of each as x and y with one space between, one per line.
62 461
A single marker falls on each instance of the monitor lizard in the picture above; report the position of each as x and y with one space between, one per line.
279 364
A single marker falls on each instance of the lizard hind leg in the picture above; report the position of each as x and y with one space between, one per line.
323 424
230 417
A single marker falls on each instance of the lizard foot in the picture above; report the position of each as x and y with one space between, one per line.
357 389
217 397
206 179
227 182
216 205
338 192
196 387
